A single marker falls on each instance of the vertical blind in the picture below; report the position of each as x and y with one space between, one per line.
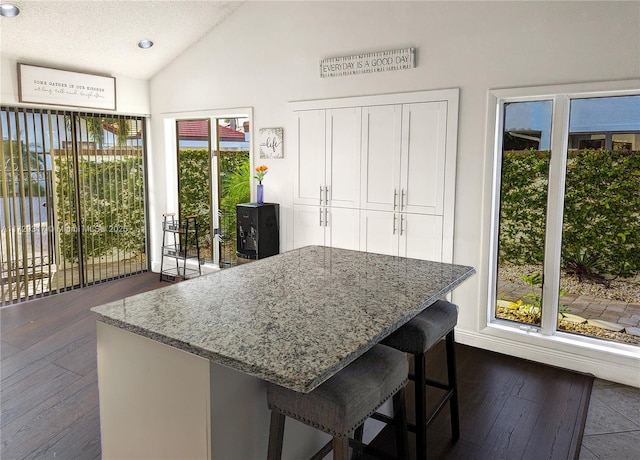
72 200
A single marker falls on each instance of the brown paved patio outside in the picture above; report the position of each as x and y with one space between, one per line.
626 314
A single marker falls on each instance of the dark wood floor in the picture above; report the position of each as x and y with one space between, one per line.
48 378
510 408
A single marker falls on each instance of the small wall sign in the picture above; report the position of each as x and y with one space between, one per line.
381 61
271 143
43 85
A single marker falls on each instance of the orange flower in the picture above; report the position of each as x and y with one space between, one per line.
260 172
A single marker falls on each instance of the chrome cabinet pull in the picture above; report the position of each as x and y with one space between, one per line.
401 224
326 217
394 224
326 195
402 200
321 217
321 195
395 198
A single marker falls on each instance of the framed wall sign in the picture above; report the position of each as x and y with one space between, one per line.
43 85
271 143
380 61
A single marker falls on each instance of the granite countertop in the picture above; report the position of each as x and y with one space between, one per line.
294 319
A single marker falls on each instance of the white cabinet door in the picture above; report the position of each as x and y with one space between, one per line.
343 157
342 228
421 237
424 132
308 225
381 134
418 236
321 225
379 232
309 140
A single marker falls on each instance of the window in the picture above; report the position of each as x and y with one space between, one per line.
523 197
566 245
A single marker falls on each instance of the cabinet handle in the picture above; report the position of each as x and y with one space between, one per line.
394 223
321 225
326 217
401 224
395 198
402 200
321 195
326 195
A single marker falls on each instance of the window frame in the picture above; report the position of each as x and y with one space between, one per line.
561 96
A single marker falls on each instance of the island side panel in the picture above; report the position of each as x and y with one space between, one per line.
240 420
154 399
159 402
239 414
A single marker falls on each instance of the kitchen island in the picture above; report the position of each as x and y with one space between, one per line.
181 369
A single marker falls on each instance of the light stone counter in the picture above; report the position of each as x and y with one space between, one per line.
294 319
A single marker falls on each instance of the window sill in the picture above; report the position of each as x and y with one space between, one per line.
615 362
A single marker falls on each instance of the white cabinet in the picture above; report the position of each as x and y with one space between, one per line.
378 232
327 226
328 168
417 236
309 139
404 150
422 168
403 179
308 228
388 163
327 179
380 174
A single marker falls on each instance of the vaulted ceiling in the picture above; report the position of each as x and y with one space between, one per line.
101 36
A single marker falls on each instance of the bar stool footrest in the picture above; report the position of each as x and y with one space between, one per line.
441 403
322 453
410 426
360 446
370 450
433 383
382 418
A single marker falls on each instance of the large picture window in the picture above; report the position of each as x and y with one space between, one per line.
566 245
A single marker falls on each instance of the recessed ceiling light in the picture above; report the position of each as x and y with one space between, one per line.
144 44
9 11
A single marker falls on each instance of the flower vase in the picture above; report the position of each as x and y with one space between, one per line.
260 194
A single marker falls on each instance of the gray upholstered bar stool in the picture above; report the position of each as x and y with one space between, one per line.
344 402
417 337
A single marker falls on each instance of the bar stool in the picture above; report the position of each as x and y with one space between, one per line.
417 337
344 402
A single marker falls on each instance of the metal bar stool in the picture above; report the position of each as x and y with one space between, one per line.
417 337
344 402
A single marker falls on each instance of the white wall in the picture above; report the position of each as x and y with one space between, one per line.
267 54
132 96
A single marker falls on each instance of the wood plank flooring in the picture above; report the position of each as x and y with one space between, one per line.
510 408
48 378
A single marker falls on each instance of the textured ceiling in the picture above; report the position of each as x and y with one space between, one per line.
101 36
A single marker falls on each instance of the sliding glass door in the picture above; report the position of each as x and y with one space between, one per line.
213 177
72 200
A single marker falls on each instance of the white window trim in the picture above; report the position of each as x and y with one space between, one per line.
545 343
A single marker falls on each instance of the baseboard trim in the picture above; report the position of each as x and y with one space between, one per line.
607 366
